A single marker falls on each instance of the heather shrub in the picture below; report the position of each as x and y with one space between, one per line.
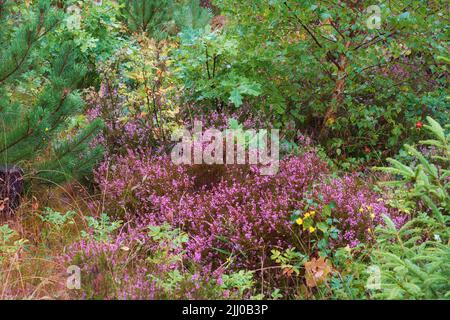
147 262
241 218
108 268
357 208
137 183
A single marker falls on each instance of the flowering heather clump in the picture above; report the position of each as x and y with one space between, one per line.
144 262
244 215
136 184
358 209
105 264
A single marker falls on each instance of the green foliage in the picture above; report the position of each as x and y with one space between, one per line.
165 234
162 18
240 281
320 68
101 229
207 65
150 16
414 260
34 118
169 252
276 294
94 29
9 243
349 280
289 259
190 15
170 244
425 180
57 219
168 241
55 224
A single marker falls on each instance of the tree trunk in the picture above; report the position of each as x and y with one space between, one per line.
11 189
338 94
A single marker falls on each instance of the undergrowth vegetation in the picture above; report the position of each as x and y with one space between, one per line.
93 205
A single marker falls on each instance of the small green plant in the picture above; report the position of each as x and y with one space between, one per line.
349 278
168 256
170 243
289 260
101 229
167 235
276 294
240 281
57 219
168 252
425 180
55 223
171 281
313 218
9 242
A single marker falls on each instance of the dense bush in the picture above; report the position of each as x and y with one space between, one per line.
137 98
243 215
320 69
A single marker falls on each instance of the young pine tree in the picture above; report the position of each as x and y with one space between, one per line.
149 16
161 18
33 125
191 15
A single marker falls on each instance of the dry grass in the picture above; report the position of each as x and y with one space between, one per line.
34 270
